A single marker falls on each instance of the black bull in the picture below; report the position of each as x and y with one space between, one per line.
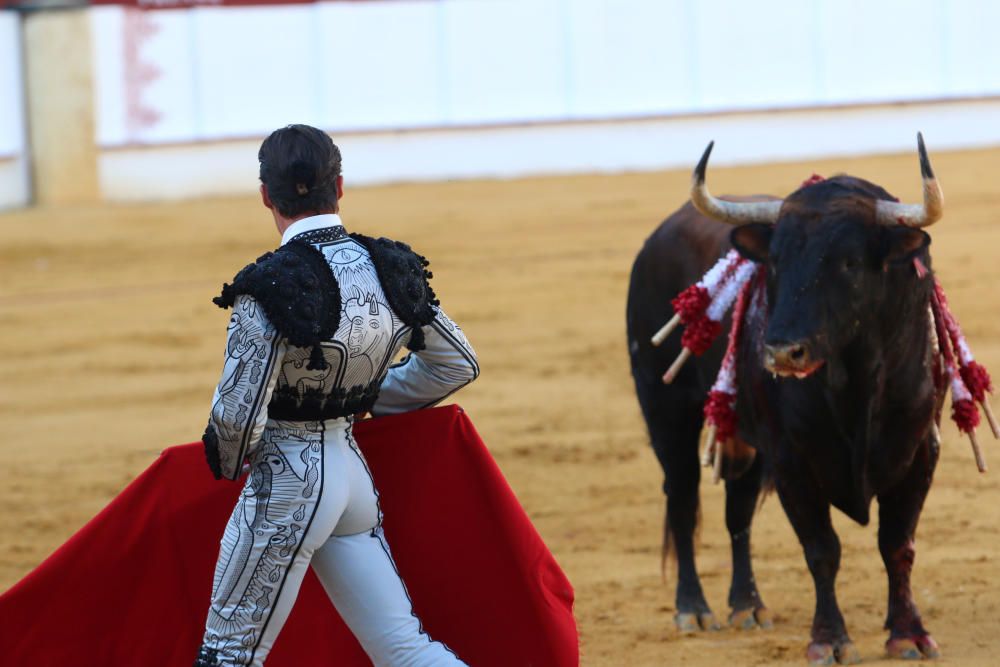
848 311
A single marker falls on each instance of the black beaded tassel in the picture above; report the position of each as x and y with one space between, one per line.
317 362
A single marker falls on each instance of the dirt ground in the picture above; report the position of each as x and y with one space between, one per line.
112 349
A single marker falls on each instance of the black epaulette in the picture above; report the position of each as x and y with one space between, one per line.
298 292
404 277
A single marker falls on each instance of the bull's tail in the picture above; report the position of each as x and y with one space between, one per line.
668 542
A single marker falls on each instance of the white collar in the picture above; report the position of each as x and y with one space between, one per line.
310 224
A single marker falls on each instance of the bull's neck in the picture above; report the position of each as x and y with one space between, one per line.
889 354
883 388
880 393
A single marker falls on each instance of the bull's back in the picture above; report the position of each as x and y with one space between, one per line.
675 256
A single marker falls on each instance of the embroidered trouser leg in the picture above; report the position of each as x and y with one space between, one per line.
290 504
305 485
356 568
360 577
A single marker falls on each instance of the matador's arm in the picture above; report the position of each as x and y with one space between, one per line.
427 377
254 351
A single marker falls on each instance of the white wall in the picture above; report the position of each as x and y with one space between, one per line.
469 81
211 73
14 183
205 169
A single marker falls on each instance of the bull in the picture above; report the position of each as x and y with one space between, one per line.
838 399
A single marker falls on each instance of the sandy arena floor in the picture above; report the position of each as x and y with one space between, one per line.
113 347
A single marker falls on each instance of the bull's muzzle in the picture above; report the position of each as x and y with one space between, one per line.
791 359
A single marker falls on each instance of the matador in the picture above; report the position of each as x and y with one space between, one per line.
315 332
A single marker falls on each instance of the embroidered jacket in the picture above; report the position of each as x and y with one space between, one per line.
315 328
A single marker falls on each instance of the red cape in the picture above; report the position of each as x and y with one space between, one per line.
133 585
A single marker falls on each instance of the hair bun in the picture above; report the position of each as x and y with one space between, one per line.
299 166
302 172
303 176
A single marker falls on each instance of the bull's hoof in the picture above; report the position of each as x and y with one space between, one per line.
843 653
903 648
748 619
742 619
847 654
687 622
912 648
928 647
820 654
708 622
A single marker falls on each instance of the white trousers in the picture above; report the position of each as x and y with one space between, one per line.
310 499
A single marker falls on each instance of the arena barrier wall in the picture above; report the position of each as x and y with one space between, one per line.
15 186
223 73
436 89
208 169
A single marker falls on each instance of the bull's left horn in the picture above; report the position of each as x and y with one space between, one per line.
915 215
733 213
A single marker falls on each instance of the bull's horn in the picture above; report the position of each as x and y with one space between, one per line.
734 213
915 215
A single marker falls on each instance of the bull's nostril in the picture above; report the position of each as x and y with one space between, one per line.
798 353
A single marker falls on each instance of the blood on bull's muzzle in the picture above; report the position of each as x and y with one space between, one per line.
795 359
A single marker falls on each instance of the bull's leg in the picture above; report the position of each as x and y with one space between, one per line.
683 472
810 517
674 423
748 610
899 511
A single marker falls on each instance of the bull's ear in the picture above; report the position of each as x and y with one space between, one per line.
753 241
904 243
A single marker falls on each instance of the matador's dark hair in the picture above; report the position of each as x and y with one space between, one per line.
299 166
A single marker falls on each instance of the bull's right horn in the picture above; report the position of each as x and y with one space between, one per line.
733 213
915 215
